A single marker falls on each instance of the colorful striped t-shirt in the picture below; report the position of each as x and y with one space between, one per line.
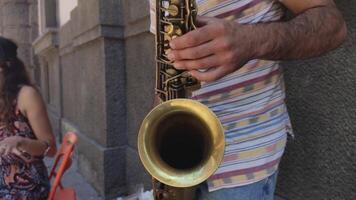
249 102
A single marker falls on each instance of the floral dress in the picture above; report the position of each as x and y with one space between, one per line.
20 180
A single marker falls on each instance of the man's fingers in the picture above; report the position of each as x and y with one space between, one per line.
203 63
197 52
212 74
193 38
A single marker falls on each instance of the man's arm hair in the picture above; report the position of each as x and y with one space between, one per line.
311 33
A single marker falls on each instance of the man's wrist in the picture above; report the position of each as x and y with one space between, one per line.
262 40
252 38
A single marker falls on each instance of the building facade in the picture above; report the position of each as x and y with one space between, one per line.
82 67
93 61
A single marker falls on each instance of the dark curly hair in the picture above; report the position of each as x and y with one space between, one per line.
13 76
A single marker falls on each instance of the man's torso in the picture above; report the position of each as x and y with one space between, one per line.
249 102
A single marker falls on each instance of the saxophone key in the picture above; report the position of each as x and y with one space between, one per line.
173 10
171 72
175 2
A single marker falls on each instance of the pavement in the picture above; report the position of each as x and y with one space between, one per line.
73 179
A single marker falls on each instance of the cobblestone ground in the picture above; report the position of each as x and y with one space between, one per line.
83 189
75 180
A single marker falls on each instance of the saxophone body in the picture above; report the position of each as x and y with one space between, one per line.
180 142
174 18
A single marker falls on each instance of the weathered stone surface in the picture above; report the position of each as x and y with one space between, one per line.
1 19
92 171
19 34
15 24
140 73
102 167
55 120
46 47
139 27
82 79
115 87
321 162
23 52
46 42
86 152
135 10
15 13
84 90
111 12
88 15
54 84
115 171
136 174
93 93
67 33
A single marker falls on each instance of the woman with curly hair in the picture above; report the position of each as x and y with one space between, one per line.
26 136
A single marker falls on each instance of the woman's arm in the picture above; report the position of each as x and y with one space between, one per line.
32 106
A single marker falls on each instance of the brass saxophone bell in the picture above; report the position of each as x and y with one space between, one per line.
181 143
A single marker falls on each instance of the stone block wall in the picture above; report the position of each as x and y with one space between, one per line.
140 76
320 164
93 86
16 25
83 79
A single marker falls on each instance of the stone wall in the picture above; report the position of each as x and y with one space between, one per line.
83 79
18 22
320 164
140 76
93 86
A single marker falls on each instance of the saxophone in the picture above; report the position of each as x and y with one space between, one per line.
174 18
180 142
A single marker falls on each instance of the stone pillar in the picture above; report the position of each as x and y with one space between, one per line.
140 75
18 22
93 78
33 21
48 74
16 25
1 18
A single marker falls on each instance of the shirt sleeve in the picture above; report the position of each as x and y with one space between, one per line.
153 16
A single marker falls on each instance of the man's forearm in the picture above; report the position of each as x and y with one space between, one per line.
312 33
225 46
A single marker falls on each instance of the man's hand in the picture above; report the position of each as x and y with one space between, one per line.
223 46
217 48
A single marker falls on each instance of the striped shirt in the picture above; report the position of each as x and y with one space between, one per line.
249 102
